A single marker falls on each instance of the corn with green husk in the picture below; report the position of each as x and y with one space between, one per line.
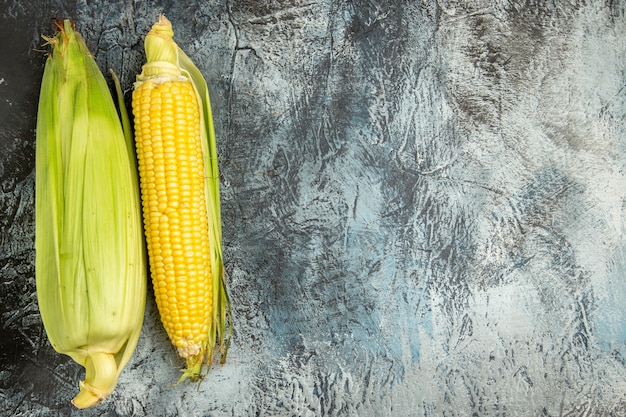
90 255
178 168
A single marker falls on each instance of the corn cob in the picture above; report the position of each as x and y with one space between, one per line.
178 169
90 255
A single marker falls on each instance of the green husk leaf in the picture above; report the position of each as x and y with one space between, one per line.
90 256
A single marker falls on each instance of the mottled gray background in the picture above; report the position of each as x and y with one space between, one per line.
423 204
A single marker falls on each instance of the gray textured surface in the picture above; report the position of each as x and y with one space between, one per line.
423 206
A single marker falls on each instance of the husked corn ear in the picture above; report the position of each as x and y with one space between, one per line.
90 256
180 195
172 180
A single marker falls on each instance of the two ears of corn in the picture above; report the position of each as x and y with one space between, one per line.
90 237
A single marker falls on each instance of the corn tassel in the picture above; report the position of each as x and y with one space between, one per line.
90 254
178 168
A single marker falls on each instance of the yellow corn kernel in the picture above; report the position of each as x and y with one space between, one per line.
177 157
169 151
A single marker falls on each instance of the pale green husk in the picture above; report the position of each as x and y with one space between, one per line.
91 269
